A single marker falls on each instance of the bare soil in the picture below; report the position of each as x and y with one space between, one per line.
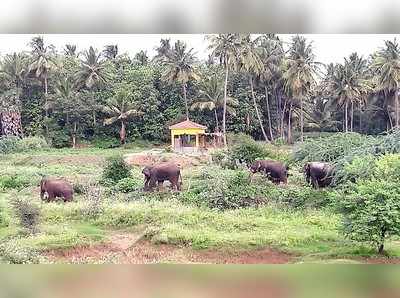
148 158
129 248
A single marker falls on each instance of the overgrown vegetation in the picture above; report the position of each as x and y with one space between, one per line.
115 170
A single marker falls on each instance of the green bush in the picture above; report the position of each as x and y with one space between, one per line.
13 144
247 152
60 138
33 143
9 144
4 215
361 167
129 184
11 252
371 211
106 142
27 213
14 182
388 167
115 170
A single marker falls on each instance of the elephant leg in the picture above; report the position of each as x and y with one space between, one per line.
160 184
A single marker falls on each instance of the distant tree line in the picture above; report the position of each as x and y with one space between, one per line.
258 85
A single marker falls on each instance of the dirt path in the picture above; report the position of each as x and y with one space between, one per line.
130 248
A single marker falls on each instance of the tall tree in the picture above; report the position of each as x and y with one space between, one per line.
141 58
42 62
121 107
211 97
386 65
300 72
70 103
226 47
92 73
271 54
110 52
179 65
163 50
70 50
251 62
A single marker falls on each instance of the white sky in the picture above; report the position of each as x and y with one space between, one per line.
327 47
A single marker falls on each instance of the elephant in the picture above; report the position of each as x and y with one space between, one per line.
56 188
319 174
161 172
276 171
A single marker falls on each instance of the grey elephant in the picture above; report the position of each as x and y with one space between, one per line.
276 171
319 174
56 188
161 172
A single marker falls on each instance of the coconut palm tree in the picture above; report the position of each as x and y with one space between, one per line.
13 70
226 47
346 84
163 50
211 97
70 50
121 107
300 72
386 66
92 72
42 62
141 58
250 61
68 100
179 67
110 52
271 53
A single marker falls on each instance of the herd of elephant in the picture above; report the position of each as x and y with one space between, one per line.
318 174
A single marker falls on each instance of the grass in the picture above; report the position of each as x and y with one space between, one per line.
310 234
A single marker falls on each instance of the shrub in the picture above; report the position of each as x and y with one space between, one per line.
33 143
12 144
225 190
94 200
106 142
11 252
9 144
371 211
388 167
361 167
27 213
247 152
4 216
14 182
129 184
115 169
60 138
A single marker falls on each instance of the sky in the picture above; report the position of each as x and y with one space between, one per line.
327 47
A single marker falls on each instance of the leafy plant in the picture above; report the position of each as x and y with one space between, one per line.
115 170
27 213
371 212
129 184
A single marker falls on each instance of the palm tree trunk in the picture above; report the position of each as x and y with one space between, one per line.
283 119
186 103
122 133
396 99
225 99
301 120
216 120
351 116
94 112
346 116
290 124
74 135
360 119
269 114
45 106
256 108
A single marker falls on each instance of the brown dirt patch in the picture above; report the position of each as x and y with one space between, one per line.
131 249
153 157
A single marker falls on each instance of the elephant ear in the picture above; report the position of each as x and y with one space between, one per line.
146 171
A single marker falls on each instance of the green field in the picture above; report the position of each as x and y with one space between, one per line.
307 234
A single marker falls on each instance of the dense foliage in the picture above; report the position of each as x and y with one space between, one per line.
251 84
